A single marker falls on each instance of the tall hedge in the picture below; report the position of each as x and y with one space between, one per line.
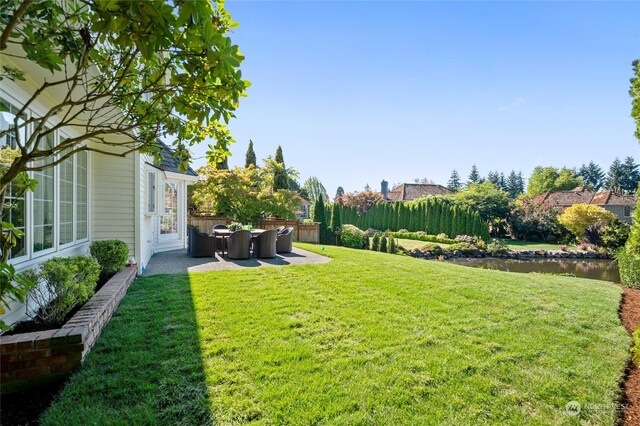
319 215
432 215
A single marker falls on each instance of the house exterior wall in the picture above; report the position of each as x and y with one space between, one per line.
618 211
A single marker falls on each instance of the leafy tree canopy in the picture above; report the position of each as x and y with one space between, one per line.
545 179
490 202
579 217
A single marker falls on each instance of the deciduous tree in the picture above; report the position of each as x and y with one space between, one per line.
579 217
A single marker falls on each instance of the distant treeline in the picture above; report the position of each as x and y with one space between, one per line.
432 215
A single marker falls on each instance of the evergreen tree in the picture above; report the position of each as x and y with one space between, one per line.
336 223
280 179
319 215
474 176
514 185
250 156
339 192
592 175
630 176
383 243
392 245
615 177
494 178
223 165
375 244
454 181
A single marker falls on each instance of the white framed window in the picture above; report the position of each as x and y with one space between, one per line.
82 196
44 202
151 203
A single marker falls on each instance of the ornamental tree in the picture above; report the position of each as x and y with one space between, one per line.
579 217
117 74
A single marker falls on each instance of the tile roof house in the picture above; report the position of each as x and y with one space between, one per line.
618 204
411 191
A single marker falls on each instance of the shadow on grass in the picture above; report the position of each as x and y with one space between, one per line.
146 367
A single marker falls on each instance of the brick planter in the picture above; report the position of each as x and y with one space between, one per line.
31 358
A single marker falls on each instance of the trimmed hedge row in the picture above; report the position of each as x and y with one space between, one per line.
422 237
432 215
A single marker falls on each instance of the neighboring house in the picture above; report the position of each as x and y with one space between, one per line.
411 191
620 205
303 211
94 196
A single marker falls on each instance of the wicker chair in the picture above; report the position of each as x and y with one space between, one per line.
201 244
279 229
264 245
285 241
220 240
239 245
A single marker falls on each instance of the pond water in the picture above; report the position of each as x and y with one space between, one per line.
596 269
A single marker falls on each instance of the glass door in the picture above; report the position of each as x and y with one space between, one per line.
169 220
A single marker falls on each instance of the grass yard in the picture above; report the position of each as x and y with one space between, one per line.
532 245
368 338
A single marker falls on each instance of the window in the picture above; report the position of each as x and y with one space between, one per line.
169 220
151 192
43 202
66 201
627 211
16 202
82 168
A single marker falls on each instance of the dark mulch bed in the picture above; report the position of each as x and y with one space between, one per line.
25 408
630 317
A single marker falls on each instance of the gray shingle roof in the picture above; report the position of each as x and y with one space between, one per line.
169 163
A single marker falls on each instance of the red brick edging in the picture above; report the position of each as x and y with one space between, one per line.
30 358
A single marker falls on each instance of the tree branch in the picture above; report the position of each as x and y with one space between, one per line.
12 23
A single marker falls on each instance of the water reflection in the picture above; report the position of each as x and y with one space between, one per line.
596 269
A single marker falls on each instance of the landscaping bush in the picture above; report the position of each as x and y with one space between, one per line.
629 265
375 242
111 255
434 248
62 283
353 237
497 247
383 243
371 232
467 249
614 236
465 239
422 237
392 245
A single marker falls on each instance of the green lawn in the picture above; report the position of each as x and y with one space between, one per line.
532 245
368 338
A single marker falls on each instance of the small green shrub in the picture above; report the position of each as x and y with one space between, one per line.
629 265
635 351
497 247
442 238
383 243
614 235
375 242
392 245
111 255
434 248
62 283
467 249
353 237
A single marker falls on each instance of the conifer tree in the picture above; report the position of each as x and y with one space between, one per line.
392 245
319 215
375 244
250 156
474 176
280 179
454 181
383 243
336 223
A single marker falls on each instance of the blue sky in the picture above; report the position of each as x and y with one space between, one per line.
357 92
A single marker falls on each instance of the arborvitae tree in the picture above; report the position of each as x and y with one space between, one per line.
383 243
474 176
469 225
319 215
250 156
336 223
392 245
280 179
448 223
375 244
442 226
454 181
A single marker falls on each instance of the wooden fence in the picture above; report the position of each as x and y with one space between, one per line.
303 232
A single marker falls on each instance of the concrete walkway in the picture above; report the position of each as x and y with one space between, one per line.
178 261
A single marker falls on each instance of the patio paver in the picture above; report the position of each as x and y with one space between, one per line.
178 261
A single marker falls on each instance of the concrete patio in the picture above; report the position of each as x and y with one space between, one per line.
178 261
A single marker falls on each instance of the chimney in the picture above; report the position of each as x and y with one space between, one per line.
384 188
